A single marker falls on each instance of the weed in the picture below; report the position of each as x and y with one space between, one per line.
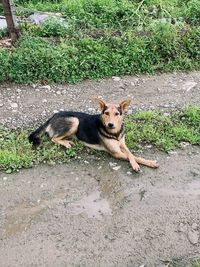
165 132
100 38
196 263
184 263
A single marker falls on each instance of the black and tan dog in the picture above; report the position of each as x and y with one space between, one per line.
103 131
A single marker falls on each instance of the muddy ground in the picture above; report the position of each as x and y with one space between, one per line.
88 212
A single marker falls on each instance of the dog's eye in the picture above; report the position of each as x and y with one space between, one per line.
106 113
117 113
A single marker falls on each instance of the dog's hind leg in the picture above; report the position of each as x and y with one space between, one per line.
60 139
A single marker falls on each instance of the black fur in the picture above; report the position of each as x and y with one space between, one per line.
88 129
34 137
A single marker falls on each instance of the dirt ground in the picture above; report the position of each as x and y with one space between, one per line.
95 211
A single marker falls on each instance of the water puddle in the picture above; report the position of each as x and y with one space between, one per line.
19 218
92 205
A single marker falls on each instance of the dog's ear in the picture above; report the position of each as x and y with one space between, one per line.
124 104
101 104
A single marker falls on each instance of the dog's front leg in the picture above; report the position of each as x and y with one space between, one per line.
132 159
114 148
146 162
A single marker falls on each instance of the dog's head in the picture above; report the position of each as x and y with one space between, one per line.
112 114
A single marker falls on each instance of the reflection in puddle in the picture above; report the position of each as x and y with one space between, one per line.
93 205
19 218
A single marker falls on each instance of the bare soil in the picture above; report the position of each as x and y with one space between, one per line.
86 213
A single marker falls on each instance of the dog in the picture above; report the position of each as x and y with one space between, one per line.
104 131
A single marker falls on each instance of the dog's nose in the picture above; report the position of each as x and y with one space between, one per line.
110 125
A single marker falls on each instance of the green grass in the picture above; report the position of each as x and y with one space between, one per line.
196 263
165 132
102 38
184 263
148 127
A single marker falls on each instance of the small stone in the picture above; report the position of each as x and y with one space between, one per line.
58 92
149 146
132 83
184 144
129 112
14 105
1 104
112 164
48 87
128 173
189 85
183 227
55 111
194 226
86 162
44 101
18 91
5 178
116 79
172 153
43 185
116 168
193 237
34 85
91 109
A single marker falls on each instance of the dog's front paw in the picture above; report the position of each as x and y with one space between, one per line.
154 164
135 166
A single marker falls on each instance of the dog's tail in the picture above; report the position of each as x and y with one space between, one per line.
34 137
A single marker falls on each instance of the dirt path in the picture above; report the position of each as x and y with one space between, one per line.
85 213
24 105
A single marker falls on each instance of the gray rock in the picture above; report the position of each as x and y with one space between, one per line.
194 226
172 153
91 109
193 237
14 105
41 17
129 112
3 23
48 87
189 85
116 79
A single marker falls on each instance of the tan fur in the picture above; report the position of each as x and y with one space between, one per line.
112 114
68 134
118 148
109 142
